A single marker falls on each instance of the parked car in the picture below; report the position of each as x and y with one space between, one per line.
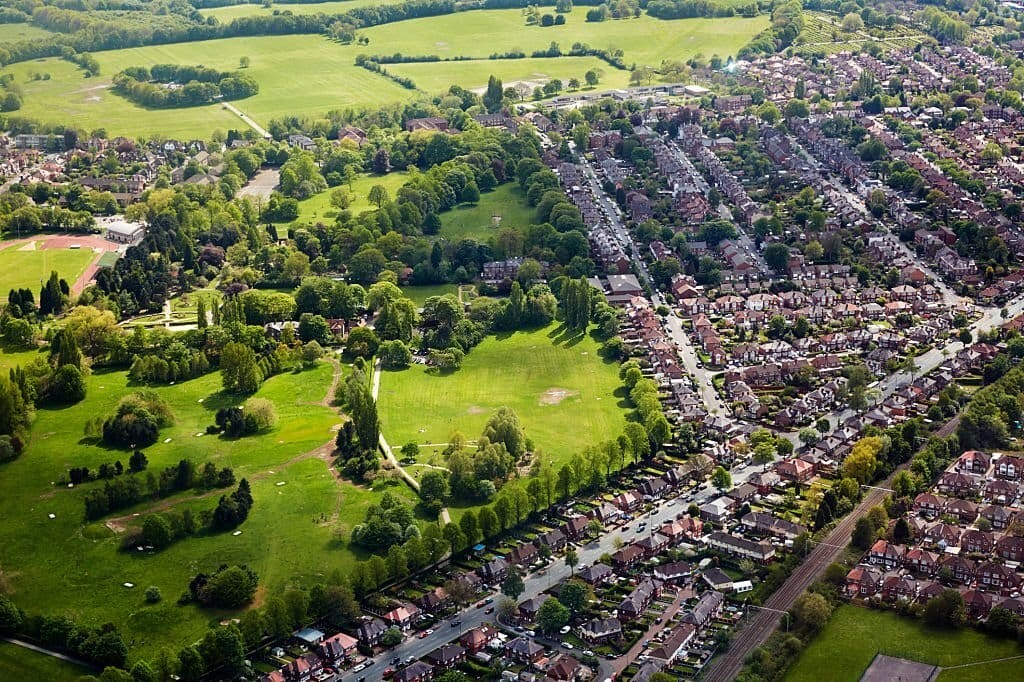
423 634
567 645
456 623
565 630
489 610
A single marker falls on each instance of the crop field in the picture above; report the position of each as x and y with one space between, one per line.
563 392
21 266
851 639
645 40
59 565
478 221
227 14
308 74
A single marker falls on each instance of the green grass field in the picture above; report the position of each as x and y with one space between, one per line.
306 74
20 269
645 40
850 641
62 566
318 207
476 222
227 14
521 371
419 294
14 33
18 663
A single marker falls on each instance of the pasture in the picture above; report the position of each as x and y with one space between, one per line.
310 75
63 565
477 221
27 265
851 639
562 390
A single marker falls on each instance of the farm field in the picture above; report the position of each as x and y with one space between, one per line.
473 74
318 207
226 15
320 75
564 394
28 268
851 639
60 565
18 663
645 40
476 222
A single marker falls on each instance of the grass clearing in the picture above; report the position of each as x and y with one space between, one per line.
15 33
851 639
228 14
318 208
473 74
521 371
17 663
477 221
419 294
29 268
62 566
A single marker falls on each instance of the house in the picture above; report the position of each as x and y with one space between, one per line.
627 501
555 539
769 524
977 541
1009 467
675 572
1010 548
338 648
309 636
929 504
920 561
494 571
524 650
434 600
960 569
303 668
738 546
565 667
402 616
476 639
596 574
524 554
370 631
639 599
416 672
653 544
429 124
765 481
705 610
998 515
673 647
576 526
529 608
654 488
995 576
897 587
274 676
717 510
863 581
601 630
627 556
717 579
885 554
446 657
974 461
795 470
978 604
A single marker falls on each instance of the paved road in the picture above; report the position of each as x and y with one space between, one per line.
252 124
760 627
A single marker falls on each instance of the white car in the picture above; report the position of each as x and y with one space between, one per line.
565 630
566 645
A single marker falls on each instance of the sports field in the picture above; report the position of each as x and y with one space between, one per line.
62 566
562 391
478 221
851 639
22 265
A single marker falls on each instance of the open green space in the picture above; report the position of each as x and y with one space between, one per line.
851 639
17 663
20 268
13 356
228 14
319 208
480 221
309 74
563 392
985 672
419 294
15 33
644 40
60 565
436 77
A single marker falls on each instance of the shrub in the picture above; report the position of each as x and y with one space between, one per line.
137 420
153 594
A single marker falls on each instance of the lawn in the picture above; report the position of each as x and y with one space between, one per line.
984 672
17 663
30 268
473 74
419 294
850 641
14 33
60 565
563 392
477 222
644 40
318 207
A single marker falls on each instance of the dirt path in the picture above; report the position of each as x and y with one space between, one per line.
119 524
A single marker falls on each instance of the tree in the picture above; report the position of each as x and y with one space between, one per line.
378 195
776 255
552 616
594 528
592 77
68 385
512 586
946 610
156 531
571 560
488 520
808 436
813 610
243 62
852 22
493 96
434 487
721 478
862 461
863 534
392 637
240 372
574 595
764 454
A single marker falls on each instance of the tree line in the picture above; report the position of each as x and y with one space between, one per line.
170 85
